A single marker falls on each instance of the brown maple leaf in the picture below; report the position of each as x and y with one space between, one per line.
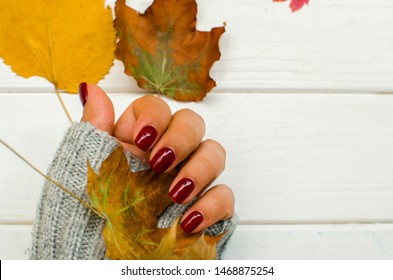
163 50
131 204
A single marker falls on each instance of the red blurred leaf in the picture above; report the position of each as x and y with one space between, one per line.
295 4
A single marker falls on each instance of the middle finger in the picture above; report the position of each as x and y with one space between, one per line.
182 137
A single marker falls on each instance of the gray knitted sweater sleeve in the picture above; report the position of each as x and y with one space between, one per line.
66 229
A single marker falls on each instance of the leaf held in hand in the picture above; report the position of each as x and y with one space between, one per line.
131 203
66 42
163 50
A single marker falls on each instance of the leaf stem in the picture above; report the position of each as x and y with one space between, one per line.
63 104
51 180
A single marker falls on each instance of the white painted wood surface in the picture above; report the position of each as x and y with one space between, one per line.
312 172
265 242
329 46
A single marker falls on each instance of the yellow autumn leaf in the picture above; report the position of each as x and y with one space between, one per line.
66 42
131 204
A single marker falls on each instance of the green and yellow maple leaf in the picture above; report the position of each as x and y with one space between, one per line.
163 50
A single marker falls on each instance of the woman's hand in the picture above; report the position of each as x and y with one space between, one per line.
148 129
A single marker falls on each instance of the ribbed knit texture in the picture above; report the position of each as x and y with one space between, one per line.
66 229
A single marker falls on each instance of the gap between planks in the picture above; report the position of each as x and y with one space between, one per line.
256 223
316 223
128 90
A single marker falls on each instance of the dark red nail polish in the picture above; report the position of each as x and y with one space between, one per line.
146 137
192 221
83 93
182 190
162 160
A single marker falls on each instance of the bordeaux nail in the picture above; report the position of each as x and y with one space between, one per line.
146 137
182 190
192 221
83 93
162 160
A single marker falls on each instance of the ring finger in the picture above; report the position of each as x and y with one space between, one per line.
202 168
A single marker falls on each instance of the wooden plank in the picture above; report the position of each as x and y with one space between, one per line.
265 242
291 157
15 242
316 242
268 48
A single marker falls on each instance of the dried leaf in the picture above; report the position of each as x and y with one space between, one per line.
295 4
66 42
178 245
163 50
131 203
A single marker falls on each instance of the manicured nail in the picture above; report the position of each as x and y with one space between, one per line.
192 221
146 137
162 160
182 190
83 93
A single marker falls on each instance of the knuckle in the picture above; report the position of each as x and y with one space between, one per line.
187 136
223 201
191 115
209 164
186 126
216 146
142 100
226 192
147 101
228 198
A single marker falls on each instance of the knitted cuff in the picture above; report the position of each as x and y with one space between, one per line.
64 228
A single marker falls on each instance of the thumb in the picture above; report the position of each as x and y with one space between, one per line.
97 107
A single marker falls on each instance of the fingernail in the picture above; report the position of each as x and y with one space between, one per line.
182 190
146 137
192 221
162 160
83 93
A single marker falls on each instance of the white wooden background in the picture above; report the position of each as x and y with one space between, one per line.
301 107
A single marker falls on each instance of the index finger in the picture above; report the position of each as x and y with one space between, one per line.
142 123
